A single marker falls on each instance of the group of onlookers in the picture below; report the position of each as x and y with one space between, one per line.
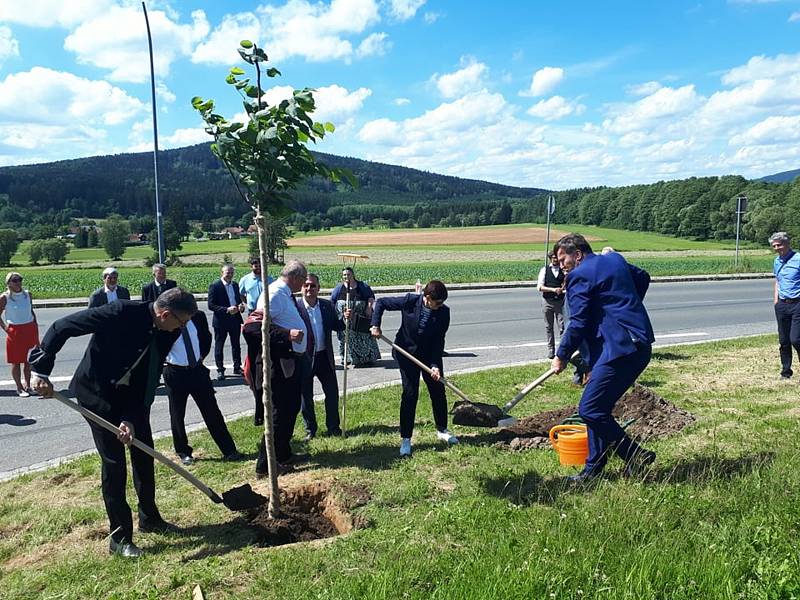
134 343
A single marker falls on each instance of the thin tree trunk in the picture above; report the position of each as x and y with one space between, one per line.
266 398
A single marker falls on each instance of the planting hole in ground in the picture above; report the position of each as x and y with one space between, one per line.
309 512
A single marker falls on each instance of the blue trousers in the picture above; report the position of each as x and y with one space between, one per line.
607 384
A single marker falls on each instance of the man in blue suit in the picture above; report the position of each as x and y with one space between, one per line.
610 324
424 324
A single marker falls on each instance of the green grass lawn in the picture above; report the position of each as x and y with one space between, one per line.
716 518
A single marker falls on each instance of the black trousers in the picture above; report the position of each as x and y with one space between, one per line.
788 316
114 470
180 384
232 328
322 370
285 408
409 375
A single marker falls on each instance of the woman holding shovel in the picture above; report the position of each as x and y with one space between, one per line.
425 320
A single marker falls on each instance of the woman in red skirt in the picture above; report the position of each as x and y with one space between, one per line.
22 331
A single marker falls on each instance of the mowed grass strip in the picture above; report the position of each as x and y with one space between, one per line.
717 518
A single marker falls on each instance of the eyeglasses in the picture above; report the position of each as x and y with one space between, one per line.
15 280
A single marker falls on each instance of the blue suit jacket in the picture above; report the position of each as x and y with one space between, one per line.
428 347
607 315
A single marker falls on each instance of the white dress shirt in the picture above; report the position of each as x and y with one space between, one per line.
177 355
315 316
283 311
229 291
540 281
111 295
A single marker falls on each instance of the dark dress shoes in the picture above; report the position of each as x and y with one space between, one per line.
238 371
234 456
638 465
157 527
283 469
297 459
220 376
258 421
124 548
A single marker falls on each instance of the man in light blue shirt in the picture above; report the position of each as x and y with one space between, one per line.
250 285
787 298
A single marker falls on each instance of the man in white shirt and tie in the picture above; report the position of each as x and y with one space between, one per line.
185 375
285 313
324 320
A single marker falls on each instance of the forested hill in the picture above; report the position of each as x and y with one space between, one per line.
782 177
97 186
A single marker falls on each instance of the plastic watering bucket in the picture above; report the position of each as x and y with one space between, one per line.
571 442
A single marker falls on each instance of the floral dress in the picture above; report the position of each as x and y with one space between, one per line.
362 347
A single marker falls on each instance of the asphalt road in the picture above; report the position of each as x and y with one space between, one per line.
488 328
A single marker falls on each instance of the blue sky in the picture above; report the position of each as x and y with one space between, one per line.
529 93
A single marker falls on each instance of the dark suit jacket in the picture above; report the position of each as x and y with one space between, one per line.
429 347
121 332
218 303
99 298
203 333
279 347
330 323
605 296
151 291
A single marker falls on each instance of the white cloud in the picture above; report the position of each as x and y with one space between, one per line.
375 44
316 32
795 16
431 17
771 130
381 131
46 96
117 41
555 107
8 45
50 13
467 79
544 81
643 89
221 46
651 110
333 102
403 10
751 100
763 67
164 94
401 101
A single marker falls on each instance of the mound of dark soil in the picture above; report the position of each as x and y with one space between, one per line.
655 418
310 512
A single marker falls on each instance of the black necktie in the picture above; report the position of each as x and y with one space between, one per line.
187 341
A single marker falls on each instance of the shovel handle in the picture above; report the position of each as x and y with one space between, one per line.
425 368
533 384
141 446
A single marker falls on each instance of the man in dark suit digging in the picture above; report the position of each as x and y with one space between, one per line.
117 379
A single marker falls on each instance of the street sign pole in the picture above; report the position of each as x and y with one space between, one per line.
551 208
741 206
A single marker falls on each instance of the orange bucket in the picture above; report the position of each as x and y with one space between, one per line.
571 442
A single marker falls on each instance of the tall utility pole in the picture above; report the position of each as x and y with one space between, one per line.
159 220
551 208
741 206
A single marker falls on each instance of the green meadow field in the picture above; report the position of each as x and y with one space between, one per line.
407 259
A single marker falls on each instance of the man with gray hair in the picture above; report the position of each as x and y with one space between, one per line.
287 314
110 291
159 285
786 298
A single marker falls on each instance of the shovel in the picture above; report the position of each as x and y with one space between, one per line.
480 414
239 498
422 366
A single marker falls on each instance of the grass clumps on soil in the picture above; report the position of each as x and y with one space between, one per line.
715 518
